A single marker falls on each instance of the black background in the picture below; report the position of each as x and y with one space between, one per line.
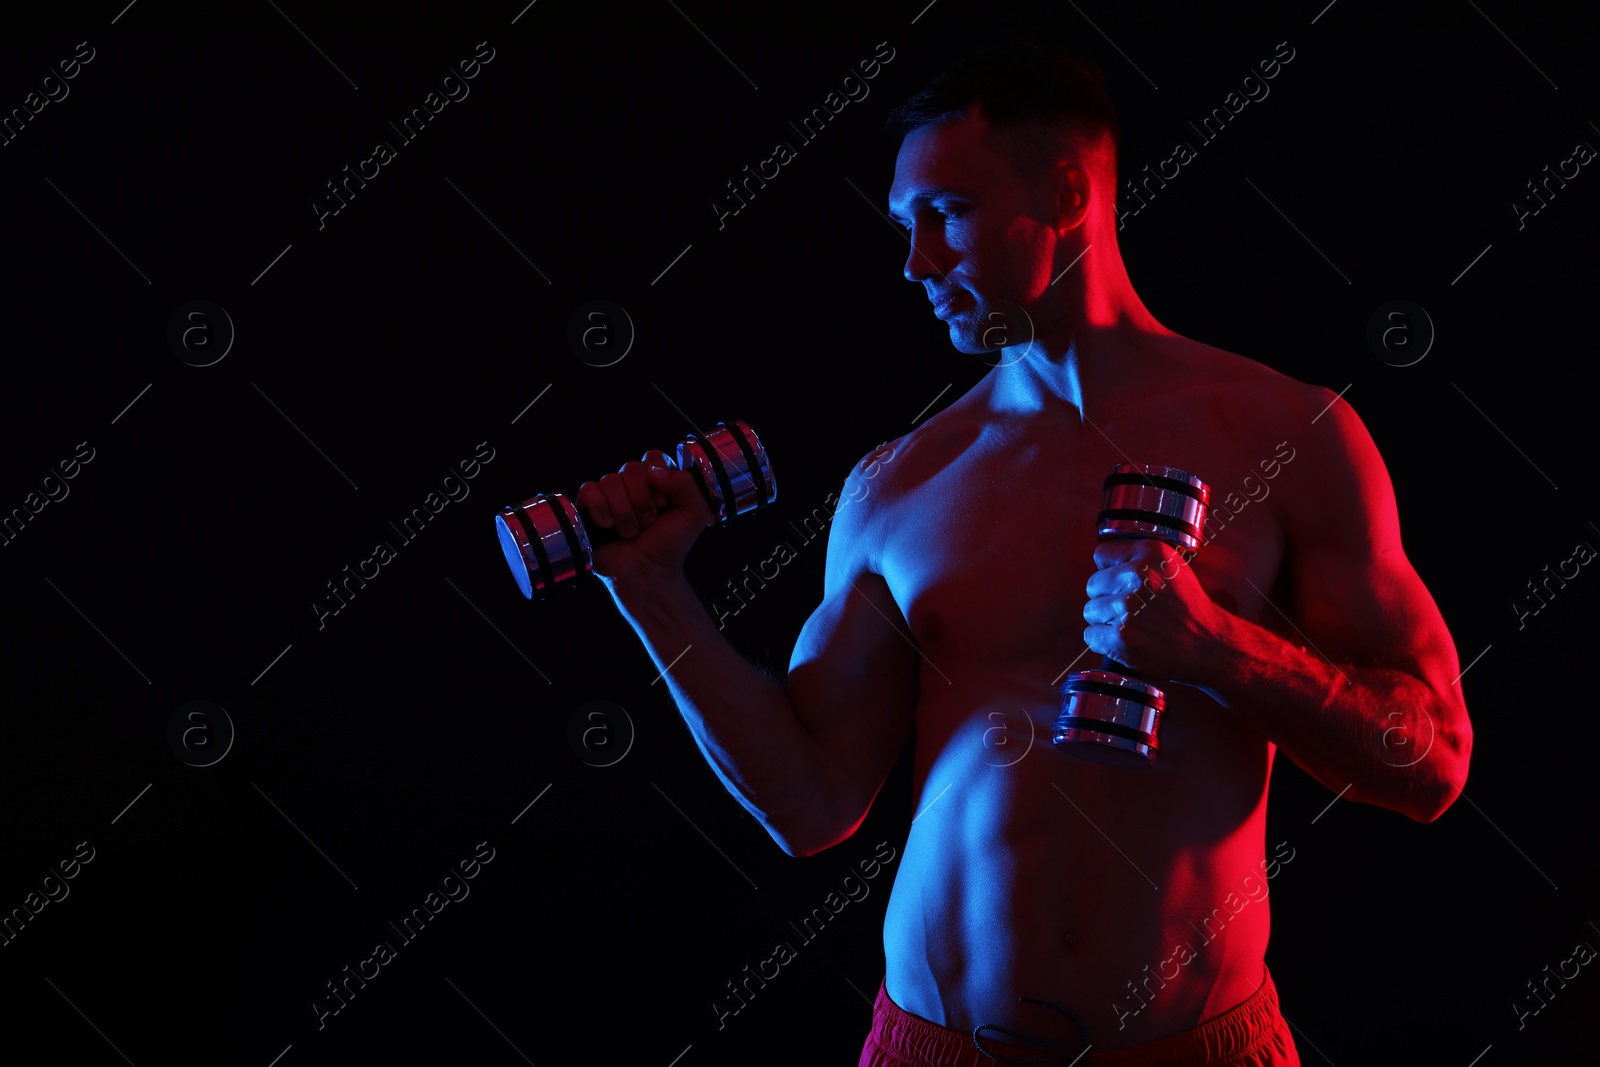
426 715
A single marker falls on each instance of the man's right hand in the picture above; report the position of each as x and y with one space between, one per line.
657 512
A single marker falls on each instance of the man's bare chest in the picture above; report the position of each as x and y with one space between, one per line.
988 554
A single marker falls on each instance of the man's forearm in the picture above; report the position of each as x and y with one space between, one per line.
1383 734
740 717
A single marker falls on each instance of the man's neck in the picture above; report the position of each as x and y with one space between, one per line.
1093 352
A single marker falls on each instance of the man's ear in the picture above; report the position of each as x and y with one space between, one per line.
1072 196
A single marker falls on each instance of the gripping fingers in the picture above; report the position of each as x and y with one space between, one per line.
1106 611
593 503
657 458
641 495
627 501
1114 580
618 500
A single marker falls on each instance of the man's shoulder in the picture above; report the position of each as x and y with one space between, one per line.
912 458
1248 386
1262 412
1321 417
1271 414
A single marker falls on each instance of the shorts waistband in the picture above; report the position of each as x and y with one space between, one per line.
1235 1034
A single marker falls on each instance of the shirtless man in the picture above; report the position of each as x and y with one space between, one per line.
958 583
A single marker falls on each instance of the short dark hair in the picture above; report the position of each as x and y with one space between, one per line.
1026 89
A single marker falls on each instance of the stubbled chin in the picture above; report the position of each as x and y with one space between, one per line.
964 340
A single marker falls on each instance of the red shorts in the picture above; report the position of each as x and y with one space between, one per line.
1250 1035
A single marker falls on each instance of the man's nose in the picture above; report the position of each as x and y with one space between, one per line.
929 256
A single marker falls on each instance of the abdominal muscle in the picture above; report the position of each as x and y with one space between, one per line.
1133 896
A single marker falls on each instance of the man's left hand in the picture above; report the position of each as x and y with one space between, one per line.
1148 611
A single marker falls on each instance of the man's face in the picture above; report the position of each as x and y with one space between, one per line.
982 240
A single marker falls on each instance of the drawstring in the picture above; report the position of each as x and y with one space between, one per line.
1083 1033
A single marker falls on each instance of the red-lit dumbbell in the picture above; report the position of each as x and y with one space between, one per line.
547 543
1112 708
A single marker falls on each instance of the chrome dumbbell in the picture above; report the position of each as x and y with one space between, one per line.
547 543
1113 708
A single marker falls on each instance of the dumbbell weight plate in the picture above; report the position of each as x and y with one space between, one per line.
1146 500
544 542
1113 710
732 469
